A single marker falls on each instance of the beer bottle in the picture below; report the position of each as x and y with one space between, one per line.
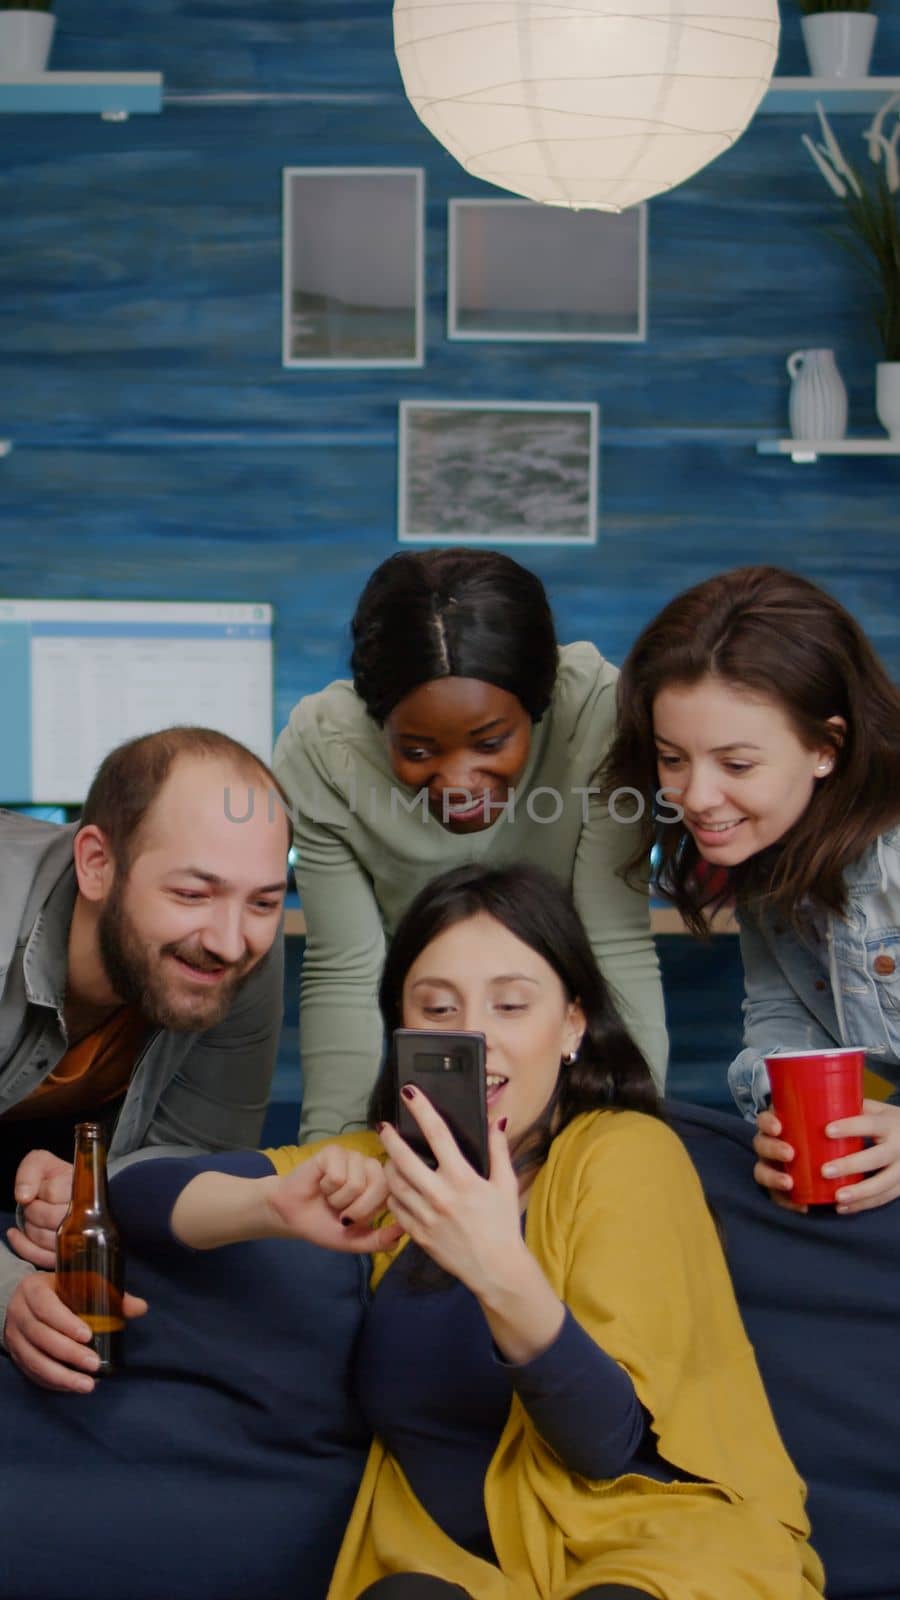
89 1260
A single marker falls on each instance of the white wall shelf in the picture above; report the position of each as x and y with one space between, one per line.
117 95
835 94
805 450
112 95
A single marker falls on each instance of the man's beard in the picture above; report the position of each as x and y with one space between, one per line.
138 975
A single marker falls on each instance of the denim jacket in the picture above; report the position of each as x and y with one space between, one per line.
850 996
204 1091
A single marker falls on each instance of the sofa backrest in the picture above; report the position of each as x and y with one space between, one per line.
820 1297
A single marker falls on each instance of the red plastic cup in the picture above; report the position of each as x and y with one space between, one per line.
810 1089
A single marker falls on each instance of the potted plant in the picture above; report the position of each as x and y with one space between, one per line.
839 35
870 205
26 34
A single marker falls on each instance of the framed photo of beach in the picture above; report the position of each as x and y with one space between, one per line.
522 271
353 267
498 472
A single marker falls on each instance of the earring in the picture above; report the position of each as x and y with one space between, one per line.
570 1056
824 767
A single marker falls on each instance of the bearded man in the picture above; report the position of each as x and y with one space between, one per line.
140 985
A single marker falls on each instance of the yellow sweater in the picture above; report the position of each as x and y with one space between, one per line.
619 1223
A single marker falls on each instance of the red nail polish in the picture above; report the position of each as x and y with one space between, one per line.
408 1092
378 1127
502 1124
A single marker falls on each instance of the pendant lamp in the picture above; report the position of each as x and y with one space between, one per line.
594 105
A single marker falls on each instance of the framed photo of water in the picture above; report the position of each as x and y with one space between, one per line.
497 472
353 267
517 270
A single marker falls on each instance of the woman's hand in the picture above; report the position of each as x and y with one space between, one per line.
471 1226
327 1199
466 1223
330 1200
770 1150
881 1123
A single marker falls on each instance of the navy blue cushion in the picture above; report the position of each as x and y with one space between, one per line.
820 1297
223 1464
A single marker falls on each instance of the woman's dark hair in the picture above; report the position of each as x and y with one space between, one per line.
609 1071
766 633
453 614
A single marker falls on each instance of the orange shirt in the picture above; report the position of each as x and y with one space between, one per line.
92 1072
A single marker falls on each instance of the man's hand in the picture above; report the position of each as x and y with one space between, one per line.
47 1341
43 1187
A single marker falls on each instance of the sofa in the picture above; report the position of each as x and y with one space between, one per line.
820 1298
222 1464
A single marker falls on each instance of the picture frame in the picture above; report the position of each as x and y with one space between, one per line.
353 273
498 472
521 271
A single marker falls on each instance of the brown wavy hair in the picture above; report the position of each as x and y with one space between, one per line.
773 634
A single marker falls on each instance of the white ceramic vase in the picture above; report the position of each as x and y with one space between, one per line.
818 400
839 43
887 397
25 40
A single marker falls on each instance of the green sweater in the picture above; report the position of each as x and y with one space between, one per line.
365 846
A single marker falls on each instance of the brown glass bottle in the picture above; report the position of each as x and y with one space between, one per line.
89 1260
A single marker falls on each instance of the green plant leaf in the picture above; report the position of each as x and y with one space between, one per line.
872 236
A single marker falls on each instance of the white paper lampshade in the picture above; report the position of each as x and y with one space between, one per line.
597 104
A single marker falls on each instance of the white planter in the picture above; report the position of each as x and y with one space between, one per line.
839 43
887 397
25 40
818 400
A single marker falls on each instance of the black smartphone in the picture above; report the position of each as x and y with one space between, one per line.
450 1069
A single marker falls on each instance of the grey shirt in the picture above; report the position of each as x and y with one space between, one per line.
201 1091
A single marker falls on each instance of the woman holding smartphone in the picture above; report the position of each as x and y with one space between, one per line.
467 734
757 704
563 1398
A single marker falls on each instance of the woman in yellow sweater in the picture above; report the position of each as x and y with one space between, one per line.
563 1397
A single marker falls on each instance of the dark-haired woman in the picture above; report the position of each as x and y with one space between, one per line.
466 734
563 1398
759 706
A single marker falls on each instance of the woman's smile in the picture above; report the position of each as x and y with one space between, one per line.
464 741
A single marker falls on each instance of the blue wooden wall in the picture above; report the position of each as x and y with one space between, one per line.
161 450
